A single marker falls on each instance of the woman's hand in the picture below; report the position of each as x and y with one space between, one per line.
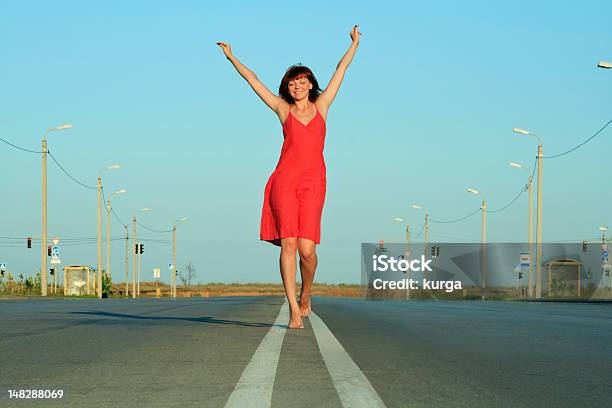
355 34
227 49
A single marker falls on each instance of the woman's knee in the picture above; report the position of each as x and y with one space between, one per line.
307 250
288 246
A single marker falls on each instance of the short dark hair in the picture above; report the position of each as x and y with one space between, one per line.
294 72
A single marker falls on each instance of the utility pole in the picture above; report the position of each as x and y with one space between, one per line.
108 249
127 284
99 280
43 238
484 249
174 260
138 279
539 227
407 253
134 261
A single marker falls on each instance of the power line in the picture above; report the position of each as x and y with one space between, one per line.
69 175
151 229
117 217
456 220
113 210
581 144
511 202
420 232
17 147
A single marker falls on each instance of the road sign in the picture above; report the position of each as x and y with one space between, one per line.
156 273
170 266
524 260
2 267
604 255
55 251
55 260
55 241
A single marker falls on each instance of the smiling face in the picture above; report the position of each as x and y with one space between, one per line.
297 84
299 88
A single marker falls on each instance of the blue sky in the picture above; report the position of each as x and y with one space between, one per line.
426 111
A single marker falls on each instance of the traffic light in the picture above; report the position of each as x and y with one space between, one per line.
142 248
584 246
136 249
520 275
437 251
49 250
29 242
433 251
52 271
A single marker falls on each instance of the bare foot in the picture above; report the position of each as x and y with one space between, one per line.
295 321
305 306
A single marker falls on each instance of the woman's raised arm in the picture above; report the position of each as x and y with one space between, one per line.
273 101
327 96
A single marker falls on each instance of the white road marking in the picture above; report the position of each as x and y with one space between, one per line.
254 389
354 389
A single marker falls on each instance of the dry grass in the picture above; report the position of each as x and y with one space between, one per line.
240 289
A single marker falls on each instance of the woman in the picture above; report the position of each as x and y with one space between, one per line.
295 192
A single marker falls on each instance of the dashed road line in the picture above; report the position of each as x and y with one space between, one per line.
354 389
254 389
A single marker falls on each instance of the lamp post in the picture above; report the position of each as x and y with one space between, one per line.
426 239
134 259
483 267
127 280
407 254
99 188
134 270
529 228
538 283
43 239
419 207
604 64
604 261
173 290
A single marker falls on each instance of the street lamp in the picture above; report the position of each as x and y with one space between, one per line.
483 208
398 219
603 234
43 242
538 284
419 207
529 227
173 289
483 266
136 289
99 186
407 253
604 64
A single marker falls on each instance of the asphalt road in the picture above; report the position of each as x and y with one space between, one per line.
212 352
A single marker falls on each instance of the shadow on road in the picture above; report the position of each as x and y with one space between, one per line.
204 319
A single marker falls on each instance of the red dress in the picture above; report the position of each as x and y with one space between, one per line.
295 192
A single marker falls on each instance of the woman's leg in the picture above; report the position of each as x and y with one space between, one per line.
308 266
288 270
